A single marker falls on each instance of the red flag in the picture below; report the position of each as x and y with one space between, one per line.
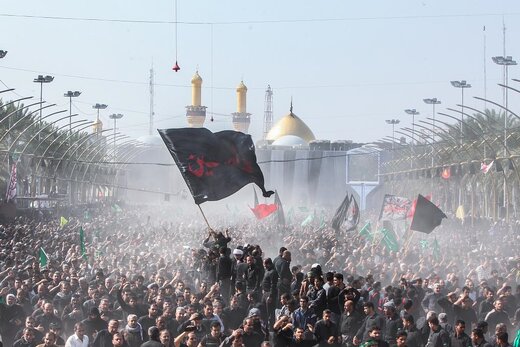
263 210
411 212
485 168
446 173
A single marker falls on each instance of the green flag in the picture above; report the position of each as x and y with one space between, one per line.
366 232
116 208
389 240
308 220
44 259
82 243
424 244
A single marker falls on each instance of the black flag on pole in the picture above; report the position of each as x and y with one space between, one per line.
280 216
427 216
341 213
214 165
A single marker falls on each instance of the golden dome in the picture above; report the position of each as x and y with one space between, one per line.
290 124
196 79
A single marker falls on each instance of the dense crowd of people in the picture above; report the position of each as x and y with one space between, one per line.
145 277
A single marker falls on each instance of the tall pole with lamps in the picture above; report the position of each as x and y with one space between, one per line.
115 117
412 112
42 79
433 102
462 85
70 95
505 62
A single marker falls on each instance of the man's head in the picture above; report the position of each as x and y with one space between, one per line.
160 322
326 315
153 310
28 334
208 310
401 338
498 304
79 329
298 334
215 329
368 308
49 339
408 321
48 309
286 255
191 340
349 306
113 326
460 326
477 335
132 320
117 339
433 323
304 302
248 325
374 332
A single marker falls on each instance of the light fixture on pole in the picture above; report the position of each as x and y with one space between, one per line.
505 62
433 102
98 107
413 112
115 117
42 79
462 85
2 53
393 122
70 95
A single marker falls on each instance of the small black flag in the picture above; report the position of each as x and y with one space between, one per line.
214 165
427 216
280 216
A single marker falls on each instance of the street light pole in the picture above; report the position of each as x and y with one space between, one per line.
115 117
393 122
70 95
433 102
42 79
98 107
413 112
462 85
505 62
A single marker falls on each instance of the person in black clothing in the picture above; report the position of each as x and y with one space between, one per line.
238 268
104 337
253 278
464 311
326 331
317 297
414 337
269 290
233 315
372 318
27 339
438 336
251 337
459 337
224 264
214 338
284 274
132 307
93 323
350 322
393 323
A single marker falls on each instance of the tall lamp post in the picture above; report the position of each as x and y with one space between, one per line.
115 117
393 122
70 95
42 79
433 102
505 62
413 112
462 85
99 107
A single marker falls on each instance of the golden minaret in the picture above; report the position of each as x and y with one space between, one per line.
195 113
241 119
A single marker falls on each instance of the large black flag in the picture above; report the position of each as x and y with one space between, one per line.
427 216
341 213
214 165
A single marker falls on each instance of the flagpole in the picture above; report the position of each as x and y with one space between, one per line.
205 219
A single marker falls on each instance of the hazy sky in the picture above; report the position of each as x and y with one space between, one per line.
348 65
